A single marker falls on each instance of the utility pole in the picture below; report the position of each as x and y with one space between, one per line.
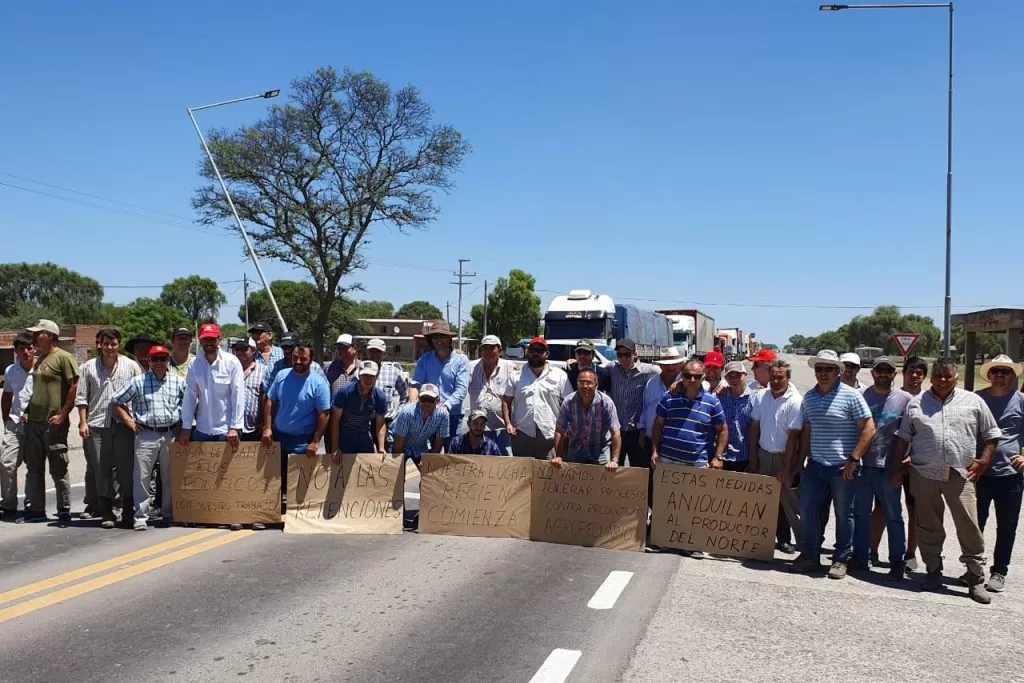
485 308
463 276
245 293
448 311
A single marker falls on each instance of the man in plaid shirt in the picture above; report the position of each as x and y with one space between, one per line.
252 372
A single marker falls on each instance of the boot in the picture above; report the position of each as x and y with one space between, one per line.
127 513
106 510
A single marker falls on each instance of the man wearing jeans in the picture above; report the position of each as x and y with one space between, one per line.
154 400
887 407
837 432
214 393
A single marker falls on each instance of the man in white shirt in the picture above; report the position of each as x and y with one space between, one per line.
532 403
774 437
17 392
214 393
489 378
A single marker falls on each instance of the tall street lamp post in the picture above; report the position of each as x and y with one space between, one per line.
949 146
238 221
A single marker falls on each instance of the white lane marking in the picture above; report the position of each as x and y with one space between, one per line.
412 494
557 667
74 486
610 590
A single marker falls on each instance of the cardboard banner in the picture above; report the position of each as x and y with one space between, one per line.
719 512
590 506
210 484
475 495
362 495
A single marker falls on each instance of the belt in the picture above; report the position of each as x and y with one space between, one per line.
160 430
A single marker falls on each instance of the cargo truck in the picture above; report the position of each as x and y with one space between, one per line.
584 315
693 333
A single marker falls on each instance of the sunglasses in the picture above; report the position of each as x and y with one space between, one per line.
1001 371
824 369
692 375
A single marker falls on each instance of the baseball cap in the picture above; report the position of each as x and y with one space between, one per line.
209 330
714 359
344 340
885 360
289 340
158 350
183 330
478 414
850 358
45 326
764 356
585 345
376 344
538 341
367 367
627 344
735 366
429 391
490 340
259 327
243 344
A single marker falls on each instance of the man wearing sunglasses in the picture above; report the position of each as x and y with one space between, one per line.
1002 484
837 432
851 366
629 380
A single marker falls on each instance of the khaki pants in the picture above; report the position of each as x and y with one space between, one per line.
929 510
771 464
11 455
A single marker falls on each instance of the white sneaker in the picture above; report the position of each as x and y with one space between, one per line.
140 524
911 563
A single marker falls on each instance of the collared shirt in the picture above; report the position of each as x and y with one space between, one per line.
181 369
270 372
887 410
97 387
419 432
276 354
358 417
754 386
153 403
628 391
18 383
393 380
215 394
589 430
604 376
300 400
252 410
777 416
536 400
485 393
460 446
339 376
450 377
652 396
834 418
946 435
1009 413
690 432
737 411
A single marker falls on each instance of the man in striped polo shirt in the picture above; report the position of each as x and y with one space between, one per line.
689 427
837 431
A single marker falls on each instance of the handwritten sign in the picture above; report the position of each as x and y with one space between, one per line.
362 495
588 505
720 512
475 495
211 484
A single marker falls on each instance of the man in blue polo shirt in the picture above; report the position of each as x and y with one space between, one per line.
297 406
689 427
357 420
837 432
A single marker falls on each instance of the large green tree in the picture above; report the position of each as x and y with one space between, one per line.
513 309
419 310
196 296
152 317
298 304
876 330
318 176
46 290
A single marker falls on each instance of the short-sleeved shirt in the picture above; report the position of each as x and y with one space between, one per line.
300 400
887 411
97 387
1009 413
833 418
276 354
588 429
536 400
153 402
359 414
270 373
451 378
339 376
486 393
51 379
737 411
652 396
417 431
18 383
460 446
690 432
777 417
181 369
946 434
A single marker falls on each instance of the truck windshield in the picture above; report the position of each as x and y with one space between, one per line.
681 338
575 329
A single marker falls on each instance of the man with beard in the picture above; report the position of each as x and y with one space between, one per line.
357 416
475 441
532 403
214 393
446 370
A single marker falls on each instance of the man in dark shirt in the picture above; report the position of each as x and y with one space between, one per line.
586 352
475 442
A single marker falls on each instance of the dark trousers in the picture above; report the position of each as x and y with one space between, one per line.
1007 493
639 454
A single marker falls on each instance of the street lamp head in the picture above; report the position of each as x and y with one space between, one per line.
271 93
832 8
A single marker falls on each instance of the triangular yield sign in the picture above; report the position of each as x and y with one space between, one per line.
905 341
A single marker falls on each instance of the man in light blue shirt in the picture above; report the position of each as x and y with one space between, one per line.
837 432
298 406
445 369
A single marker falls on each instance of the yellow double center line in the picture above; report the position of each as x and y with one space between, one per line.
219 538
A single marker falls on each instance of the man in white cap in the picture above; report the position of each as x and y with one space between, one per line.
342 369
252 374
851 366
951 436
391 379
475 441
736 404
489 380
357 414
1002 484
54 387
421 427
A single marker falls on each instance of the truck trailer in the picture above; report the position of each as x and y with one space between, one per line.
693 333
584 315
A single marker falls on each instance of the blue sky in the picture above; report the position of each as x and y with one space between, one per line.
737 154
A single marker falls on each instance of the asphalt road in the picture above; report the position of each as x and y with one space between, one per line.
83 605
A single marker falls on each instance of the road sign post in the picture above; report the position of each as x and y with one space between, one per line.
905 342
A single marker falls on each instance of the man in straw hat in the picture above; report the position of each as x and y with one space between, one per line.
951 436
1003 482
446 370
671 363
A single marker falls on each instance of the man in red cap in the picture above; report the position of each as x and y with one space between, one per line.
714 363
762 361
214 393
532 403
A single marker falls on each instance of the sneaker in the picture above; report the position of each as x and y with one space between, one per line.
911 562
140 524
786 548
805 565
63 519
897 572
932 582
978 593
838 571
996 583
87 513
257 526
235 527
107 524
